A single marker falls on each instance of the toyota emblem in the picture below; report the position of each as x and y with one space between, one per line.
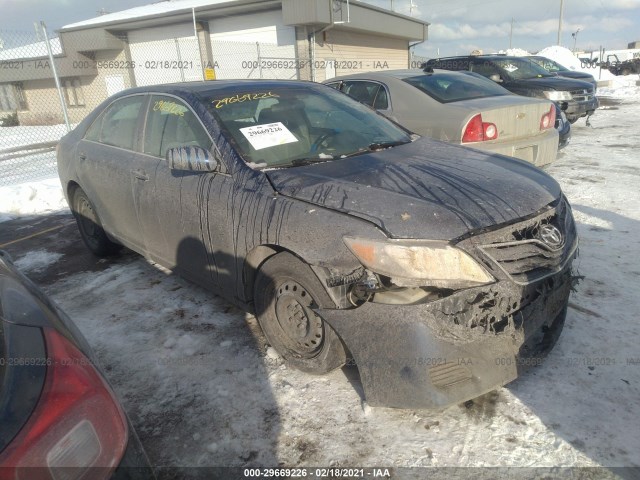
550 235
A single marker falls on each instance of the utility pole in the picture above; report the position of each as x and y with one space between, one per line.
575 39
392 9
560 22
511 35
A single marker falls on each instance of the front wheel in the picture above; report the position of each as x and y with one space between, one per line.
91 231
285 293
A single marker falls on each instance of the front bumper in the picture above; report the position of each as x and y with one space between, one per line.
451 350
576 109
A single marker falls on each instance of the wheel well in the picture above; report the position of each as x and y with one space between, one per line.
71 190
254 260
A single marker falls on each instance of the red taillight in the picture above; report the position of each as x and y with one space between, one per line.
548 120
76 426
479 131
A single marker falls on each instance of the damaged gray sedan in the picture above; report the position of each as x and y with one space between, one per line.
439 270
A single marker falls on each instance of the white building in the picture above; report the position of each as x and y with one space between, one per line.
186 40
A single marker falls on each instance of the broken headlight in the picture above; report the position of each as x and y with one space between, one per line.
419 263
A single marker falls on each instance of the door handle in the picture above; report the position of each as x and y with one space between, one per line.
82 156
140 175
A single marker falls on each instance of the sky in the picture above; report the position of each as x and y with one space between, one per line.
460 26
457 26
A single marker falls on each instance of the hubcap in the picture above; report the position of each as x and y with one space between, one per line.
302 328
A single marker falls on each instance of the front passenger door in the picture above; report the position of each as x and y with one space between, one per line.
168 206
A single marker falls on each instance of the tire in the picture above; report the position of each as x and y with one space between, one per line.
285 291
91 231
626 72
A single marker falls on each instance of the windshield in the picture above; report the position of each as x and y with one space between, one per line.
449 87
520 68
549 65
297 125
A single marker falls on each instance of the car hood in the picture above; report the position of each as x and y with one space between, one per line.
425 189
585 77
543 83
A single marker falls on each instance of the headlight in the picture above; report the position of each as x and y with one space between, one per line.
557 96
419 263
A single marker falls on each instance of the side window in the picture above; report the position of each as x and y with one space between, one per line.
382 99
170 124
335 85
364 92
484 68
117 125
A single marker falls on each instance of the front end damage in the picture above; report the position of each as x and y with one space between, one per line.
445 347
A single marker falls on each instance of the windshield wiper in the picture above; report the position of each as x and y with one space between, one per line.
298 162
381 145
375 147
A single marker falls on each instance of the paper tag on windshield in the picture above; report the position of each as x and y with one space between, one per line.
268 135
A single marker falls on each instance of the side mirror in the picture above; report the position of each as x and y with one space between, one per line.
191 159
496 78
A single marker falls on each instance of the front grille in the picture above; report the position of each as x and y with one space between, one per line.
583 95
525 251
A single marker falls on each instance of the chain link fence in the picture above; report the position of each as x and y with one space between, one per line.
48 85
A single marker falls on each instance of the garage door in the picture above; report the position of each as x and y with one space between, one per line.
165 54
253 46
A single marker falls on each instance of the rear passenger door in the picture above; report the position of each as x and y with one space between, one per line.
105 163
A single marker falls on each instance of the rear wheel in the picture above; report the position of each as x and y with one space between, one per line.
285 293
91 231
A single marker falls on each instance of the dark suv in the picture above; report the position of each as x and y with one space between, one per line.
524 77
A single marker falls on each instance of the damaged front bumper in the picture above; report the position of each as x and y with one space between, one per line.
450 350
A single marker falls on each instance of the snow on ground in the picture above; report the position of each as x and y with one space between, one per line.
621 87
29 167
201 387
31 198
33 162
27 135
37 260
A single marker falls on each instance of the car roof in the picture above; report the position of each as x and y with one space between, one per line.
400 74
489 56
212 86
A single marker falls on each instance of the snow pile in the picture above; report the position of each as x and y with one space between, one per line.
31 198
622 87
567 59
515 52
37 260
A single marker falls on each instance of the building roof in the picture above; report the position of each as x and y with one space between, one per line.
32 50
145 11
146 15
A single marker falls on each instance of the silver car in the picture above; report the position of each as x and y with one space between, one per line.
462 108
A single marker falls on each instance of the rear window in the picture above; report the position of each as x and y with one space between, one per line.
446 88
